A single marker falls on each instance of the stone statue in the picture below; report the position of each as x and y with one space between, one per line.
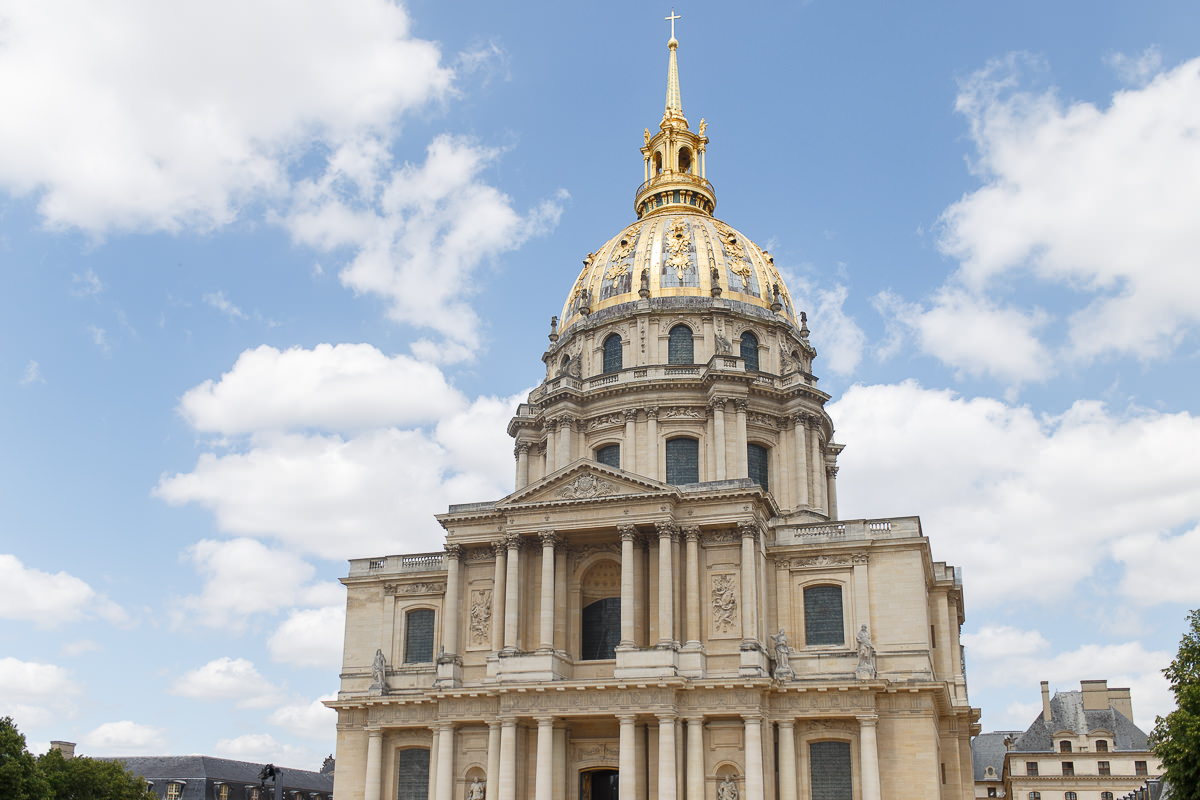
728 789
644 291
703 126
575 367
783 664
715 277
378 675
476 790
724 347
866 654
646 136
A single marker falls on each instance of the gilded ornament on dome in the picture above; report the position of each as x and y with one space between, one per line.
735 251
621 252
679 245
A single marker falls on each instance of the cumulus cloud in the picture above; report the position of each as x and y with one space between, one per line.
400 221
310 638
262 748
50 599
243 577
1137 70
172 117
311 720
1174 580
221 303
1095 200
344 387
125 738
36 693
88 283
226 678
1012 496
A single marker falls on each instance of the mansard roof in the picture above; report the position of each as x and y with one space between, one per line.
1068 714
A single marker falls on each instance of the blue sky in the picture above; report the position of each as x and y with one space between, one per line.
278 272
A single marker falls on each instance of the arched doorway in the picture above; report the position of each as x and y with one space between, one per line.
598 784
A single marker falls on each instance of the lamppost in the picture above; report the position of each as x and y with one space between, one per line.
276 775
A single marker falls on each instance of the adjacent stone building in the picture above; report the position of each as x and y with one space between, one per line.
668 605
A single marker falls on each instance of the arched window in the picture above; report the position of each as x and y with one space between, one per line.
685 160
1035 796
1069 796
418 636
609 455
756 461
413 780
658 163
683 461
174 791
1101 746
1106 796
679 346
612 353
823 615
831 771
601 629
750 351
1064 747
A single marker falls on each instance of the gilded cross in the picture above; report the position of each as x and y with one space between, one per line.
672 18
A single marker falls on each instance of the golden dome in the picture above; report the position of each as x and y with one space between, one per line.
680 254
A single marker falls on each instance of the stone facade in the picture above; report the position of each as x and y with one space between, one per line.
668 605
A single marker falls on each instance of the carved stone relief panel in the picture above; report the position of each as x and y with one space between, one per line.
479 624
723 615
590 753
414 588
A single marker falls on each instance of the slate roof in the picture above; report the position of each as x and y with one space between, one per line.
987 749
200 771
1067 714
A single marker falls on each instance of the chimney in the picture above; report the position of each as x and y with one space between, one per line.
1046 702
66 748
1095 695
1121 701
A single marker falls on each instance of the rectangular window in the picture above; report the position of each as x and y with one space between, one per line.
943 774
756 463
412 782
1031 768
823 615
1104 767
683 461
610 455
831 771
1068 767
1101 746
1139 768
418 636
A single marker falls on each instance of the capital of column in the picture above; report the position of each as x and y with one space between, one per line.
630 414
375 733
444 726
550 424
748 530
629 533
523 447
513 541
454 551
499 547
867 720
717 404
566 419
691 533
741 406
508 722
544 721
667 530
752 719
549 538
652 412
626 717
831 471
665 717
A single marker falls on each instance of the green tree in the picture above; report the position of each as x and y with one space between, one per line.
20 777
82 778
1176 737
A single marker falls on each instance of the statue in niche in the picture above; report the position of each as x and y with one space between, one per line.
644 291
783 665
728 789
378 674
724 346
476 790
866 654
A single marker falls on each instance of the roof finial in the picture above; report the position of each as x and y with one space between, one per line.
674 104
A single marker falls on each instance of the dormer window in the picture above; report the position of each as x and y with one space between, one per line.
1064 747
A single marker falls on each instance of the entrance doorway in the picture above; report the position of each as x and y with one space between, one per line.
598 784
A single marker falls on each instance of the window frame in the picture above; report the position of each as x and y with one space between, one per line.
819 583
1031 769
691 345
742 349
408 614
1104 768
766 457
1141 768
617 353
1064 746
667 446
1035 796
1068 769
400 765
607 446
1070 796
1101 745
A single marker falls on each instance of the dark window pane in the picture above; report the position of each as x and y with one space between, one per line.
830 770
610 455
756 460
1031 768
823 615
1101 746
413 780
612 353
601 629
679 346
750 351
418 642
683 461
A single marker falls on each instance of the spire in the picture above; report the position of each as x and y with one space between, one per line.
674 104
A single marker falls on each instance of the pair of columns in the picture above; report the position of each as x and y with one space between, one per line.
728 454
506 618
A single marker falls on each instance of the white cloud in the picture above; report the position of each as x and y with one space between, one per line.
1137 70
1171 560
310 720
401 221
88 283
80 647
836 335
262 748
345 387
35 693
1096 200
226 678
32 374
243 577
310 638
100 339
50 599
221 303
167 117
1013 497
125 738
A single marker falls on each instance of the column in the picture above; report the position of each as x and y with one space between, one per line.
549 538
450 610
710 450
781 459
544 783
787 760
691 535
749 532
742 470
566 442
522 465
551 426
493 759
754 758
666 757
650 468
508 759
627 765
800 457
433 761
870 756
817 465
667 532
628 538
498 581
695 758
719 444
374 777
629 447
831 490
445 764
512 592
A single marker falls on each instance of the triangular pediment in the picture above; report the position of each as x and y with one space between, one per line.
585 480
